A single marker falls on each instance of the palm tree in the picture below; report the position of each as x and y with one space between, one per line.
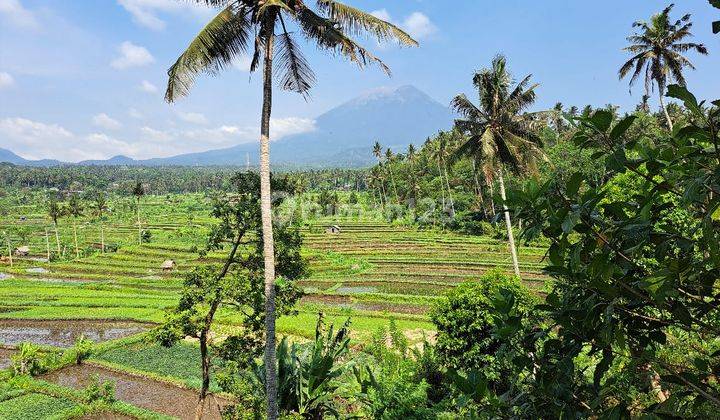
440 152
389 160
499 136
54 210
138 191
75 209
377 152
658 48
99 207
229 35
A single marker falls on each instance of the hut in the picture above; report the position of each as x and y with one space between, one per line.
334 229
22 251
168 265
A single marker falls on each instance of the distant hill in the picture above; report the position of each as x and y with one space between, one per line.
344 136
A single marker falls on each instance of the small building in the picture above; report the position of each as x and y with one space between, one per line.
168 265
22 251
334 229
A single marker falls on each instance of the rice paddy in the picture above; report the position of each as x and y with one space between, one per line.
371 272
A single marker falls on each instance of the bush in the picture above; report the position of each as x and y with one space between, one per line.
465 323
28 360
95 391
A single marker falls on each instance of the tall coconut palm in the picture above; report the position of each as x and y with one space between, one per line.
377 152
498 131
75 210
657 49
266 25
389 156
54 211
138 191
99 207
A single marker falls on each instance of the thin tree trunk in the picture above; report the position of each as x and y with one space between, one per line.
102 237
10 256
447 180
392 180
478 188
138 223
492 199
508 223
77 251
47 244
664 108
57 237
442 184
268 244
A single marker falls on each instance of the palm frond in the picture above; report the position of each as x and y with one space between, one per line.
293 69
463 106
356 22
327 36
215 47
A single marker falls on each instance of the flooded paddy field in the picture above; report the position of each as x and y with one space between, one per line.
64 333
139 391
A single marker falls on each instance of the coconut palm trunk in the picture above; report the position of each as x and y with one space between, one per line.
77 250
138 222
267 232
57 236
442 184
478 188
47 244
665 111
508 224
447 180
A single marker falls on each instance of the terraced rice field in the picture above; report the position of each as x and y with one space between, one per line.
370 271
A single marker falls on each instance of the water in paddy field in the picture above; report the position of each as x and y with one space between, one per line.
64 333
142 392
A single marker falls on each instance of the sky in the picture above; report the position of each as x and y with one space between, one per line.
84 79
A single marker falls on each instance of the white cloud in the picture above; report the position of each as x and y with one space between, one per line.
6 80
132 55
103 120
193 117
283 127
145 12
417 24
148 87
16 14
154 135
33 139
135 113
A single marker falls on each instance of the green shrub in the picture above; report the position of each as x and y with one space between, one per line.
97 392
28 360
465 323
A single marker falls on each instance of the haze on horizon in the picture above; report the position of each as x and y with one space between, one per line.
85 80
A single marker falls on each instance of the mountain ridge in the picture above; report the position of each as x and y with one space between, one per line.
343 137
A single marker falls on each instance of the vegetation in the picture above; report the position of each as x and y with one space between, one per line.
606 306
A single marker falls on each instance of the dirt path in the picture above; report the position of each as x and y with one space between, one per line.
142 392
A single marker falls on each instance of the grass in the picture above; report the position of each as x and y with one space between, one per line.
34 406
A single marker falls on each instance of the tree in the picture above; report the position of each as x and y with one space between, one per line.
377 152
236 283
138 191
99 207
227 36
75 209
54 211
499 136
657 49
636 260
389 157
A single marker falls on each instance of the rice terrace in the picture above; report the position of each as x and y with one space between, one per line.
540 242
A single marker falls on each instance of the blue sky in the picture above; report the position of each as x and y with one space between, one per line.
84 79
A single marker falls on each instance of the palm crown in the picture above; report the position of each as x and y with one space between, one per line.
241 22
658 48
498 131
